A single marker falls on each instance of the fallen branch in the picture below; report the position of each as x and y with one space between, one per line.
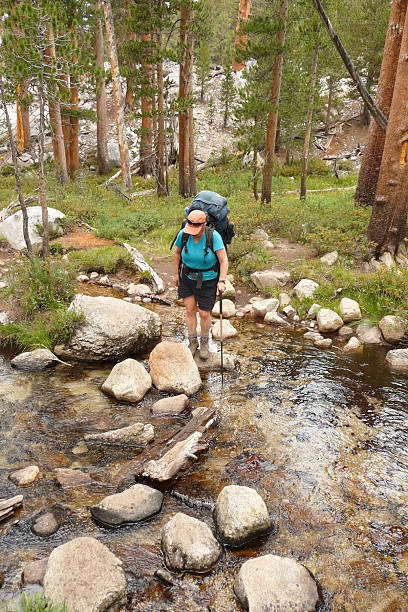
114 187
143 266
319 190
9 506
5 212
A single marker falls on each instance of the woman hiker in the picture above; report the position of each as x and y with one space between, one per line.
199 272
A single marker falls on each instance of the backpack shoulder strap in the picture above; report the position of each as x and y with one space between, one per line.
184 240
209 240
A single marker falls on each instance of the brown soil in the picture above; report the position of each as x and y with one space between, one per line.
289 251
78 238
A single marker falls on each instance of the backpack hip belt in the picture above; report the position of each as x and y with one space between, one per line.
197 275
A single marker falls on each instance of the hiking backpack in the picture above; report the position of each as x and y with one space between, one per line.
216 210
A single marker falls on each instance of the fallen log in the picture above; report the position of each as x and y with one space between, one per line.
143 266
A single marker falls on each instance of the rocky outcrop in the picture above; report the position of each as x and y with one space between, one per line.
240 515
25 476
112 329
173 369
131 506
328 320
368 334
12 228
350 310
228 330
398 359
270 278
170 405
228 309
137 434
392 328
86 576
276 583
261 307
39 359
128 381
189 544
305 288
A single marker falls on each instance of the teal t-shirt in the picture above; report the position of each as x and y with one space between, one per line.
194 258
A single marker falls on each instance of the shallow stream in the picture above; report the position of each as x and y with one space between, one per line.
322 436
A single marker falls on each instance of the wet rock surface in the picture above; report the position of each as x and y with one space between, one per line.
275 583
189 544
173 369
398 359
45 525
228 330
34 571
131 506
25 476
85 575
368 334
68 478
170 405
228 309
138 434
39 359
128 381
392 328
241 515
328 320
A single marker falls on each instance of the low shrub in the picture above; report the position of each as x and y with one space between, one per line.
105 260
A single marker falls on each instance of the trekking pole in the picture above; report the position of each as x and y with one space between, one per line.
222 348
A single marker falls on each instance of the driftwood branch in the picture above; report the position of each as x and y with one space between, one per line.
142 265
5 212
375 111
9 506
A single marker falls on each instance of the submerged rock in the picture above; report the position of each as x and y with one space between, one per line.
228 330
131 506
39 359
350 310
323 343
25 476
34 571
173 369
112 329
392 328
170 405
86 576
328 320
137 434
189 544
45 525
398 359
305 288
241 515
276 583
68 477
128 381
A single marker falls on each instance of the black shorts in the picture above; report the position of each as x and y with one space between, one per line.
205 297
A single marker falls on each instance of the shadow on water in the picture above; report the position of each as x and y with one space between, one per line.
321 436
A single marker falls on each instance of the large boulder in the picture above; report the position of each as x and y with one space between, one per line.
189 544
131 506
392 328
368 334
276 583
305 288
350 310
270 278
398 359
173 369
86 576
328 320
36 360
261 307
12 228
241 515
111 329
128 381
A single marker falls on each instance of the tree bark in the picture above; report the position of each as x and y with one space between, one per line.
329 105
74 119
387 226
374 110
117 96
60 161
23 118
241 40
101 105
65 118
371 161
16 169
184 180
274 98
146 136
190 86
41 178
309 117
161 134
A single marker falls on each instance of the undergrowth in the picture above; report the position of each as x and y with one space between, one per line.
105 260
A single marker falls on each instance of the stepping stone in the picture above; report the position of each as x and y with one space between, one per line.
131 506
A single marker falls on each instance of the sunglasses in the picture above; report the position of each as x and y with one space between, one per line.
194 224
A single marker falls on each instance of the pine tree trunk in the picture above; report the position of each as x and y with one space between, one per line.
183 115
190 87
146 137
65 119
60 161
255 172
309 117
74 128
387 227
101 106
274 98
117 96
41 178
371 161
23 118
161 136
16 169
241 40
329 105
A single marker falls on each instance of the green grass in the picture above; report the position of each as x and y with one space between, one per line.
106 260
36 603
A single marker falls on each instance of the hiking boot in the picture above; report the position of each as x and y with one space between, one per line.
193 344
204 354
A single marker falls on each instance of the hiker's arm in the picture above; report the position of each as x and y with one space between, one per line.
177 259
223 259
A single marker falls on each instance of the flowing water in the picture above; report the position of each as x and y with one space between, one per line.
322 437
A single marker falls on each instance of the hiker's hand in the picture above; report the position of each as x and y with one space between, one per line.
221 287
176 280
